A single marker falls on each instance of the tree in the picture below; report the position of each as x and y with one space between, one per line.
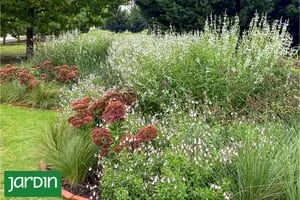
288 9
129 19
188 15
44 16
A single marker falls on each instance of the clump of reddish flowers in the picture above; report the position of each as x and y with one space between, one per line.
27 78
64 73
44 72
23 75
67 74
132 142
110 109
113 112
8 73
103 139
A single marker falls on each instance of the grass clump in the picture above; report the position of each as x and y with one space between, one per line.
44 95
67 150
88 51
12 92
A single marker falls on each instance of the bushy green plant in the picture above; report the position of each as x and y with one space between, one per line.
44 95
88 86
266 162
88 51
12 92
291 159
235 73
68 150
176 165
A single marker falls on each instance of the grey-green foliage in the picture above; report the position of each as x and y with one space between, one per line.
291 158
68 150
267 165
88 51
215 64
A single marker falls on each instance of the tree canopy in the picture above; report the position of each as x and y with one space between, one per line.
44 16
188 15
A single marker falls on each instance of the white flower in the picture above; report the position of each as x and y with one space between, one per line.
215 187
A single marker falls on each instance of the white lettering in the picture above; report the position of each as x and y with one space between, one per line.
35 180
11 184
21 185
26 179
49 182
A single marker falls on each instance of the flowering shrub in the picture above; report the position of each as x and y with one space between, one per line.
113 112
64 73
218 64
8 73
44 72
110 110
103 139
23 75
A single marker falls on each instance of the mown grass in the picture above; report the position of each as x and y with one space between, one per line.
13 49
19 128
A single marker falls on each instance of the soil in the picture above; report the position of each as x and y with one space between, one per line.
77 189
82 190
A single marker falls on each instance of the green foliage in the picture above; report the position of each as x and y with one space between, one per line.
52 17
44 95
190 15
215 66
67 150
12 49
291 158
117 23
130 20
265 167
12 92
88 51
193 160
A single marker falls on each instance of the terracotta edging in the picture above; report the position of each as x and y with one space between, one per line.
65 194
68 195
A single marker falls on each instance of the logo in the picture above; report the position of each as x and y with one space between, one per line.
32 184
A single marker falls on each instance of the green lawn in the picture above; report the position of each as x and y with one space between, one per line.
19 127
13 49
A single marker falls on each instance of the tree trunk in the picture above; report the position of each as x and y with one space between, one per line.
29 42
18 37
4 40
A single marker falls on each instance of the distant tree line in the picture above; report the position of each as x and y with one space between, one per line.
52 17
127 18
188 15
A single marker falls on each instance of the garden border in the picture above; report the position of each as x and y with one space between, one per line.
65 194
